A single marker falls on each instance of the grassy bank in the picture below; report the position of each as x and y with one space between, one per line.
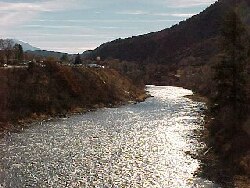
53 89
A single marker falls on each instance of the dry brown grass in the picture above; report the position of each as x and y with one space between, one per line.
56 89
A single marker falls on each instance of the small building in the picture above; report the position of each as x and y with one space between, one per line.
98 58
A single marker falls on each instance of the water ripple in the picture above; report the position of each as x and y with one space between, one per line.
143 145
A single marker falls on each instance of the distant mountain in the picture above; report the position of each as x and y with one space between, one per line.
31 50
38 52
46 54
26 46
196 37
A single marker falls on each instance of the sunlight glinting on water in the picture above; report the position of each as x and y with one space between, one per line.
142 145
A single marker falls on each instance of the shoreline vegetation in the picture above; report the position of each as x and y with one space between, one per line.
214 166
39 93
211 167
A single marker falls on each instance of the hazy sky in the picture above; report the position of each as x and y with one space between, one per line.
77 25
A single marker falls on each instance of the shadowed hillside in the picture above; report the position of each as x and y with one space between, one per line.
196 37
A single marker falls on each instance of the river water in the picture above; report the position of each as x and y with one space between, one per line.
137 145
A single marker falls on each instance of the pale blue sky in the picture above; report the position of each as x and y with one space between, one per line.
74 26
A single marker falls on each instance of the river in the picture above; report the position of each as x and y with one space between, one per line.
136 145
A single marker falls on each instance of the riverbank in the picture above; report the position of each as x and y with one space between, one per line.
214 166
127 146
41 93
24 123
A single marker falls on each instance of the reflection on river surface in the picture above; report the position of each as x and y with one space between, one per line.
142 145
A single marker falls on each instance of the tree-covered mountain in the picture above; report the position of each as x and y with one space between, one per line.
46 54
196 36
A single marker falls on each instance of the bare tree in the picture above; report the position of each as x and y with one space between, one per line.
6 46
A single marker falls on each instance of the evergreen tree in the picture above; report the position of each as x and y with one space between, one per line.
18 52
78 59
230 73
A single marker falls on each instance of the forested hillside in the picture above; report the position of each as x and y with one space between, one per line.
195 37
